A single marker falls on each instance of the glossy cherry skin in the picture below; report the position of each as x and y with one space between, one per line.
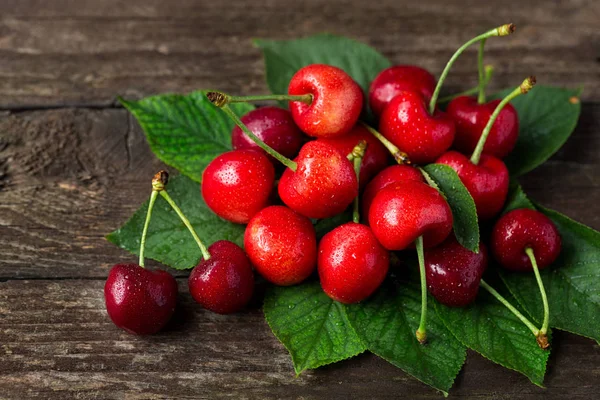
323 185
376 155
282 245
402 212
487 182
275 127
337 100
407 123
238 184
454 272
138 300
224 283
470 119
522 228
390 175
352 263
393 80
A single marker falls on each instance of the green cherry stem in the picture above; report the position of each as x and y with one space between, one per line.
523 88
358 152
488 71
422 331
284 160
221 99
400 156
480 69
536 270
503 30
146 224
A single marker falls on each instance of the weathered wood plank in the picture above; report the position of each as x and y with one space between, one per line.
58 342
64 54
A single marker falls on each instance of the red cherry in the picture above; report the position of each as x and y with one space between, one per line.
238 184
323 185
487 181
470 119
406 123
282 245
138 300
402 212
275 127
224 283
454 272
376 156
524 228
393 80
352 263
393 174
336 100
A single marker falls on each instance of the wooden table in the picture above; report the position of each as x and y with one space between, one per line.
74 166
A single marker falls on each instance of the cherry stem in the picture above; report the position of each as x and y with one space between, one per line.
400 156
146 224
284 160
221 99
480 68
358 152
488 71
503 30
536 270
422 332
523 88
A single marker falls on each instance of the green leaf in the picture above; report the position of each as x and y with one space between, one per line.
313 328
547 117
168 240
572 282
517 198
387 323
185 132
461 203
490 329
284 57
324 226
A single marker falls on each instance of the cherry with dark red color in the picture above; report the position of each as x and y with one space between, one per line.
352 263
225 282
274 126
238 184
324 183
520 229
454 272
393 80
402 212
470 119
138 300
336 104
487 182
376 155
282 245
407 123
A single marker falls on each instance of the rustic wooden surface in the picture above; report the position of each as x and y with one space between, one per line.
63 141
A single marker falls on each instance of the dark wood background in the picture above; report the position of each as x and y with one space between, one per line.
74 166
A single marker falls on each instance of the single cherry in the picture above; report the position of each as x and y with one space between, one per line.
405 211
138 300
336 103
398 78
238 184
376 155
224 283
454 272
274 126
282 245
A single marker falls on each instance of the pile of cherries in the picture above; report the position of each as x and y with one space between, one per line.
325 158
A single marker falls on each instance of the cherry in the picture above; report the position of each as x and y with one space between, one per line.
390 175
376 155
238 184
223 283
398 78
402 212
282 245
274 126
138 300
323 185
454 272
336 104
